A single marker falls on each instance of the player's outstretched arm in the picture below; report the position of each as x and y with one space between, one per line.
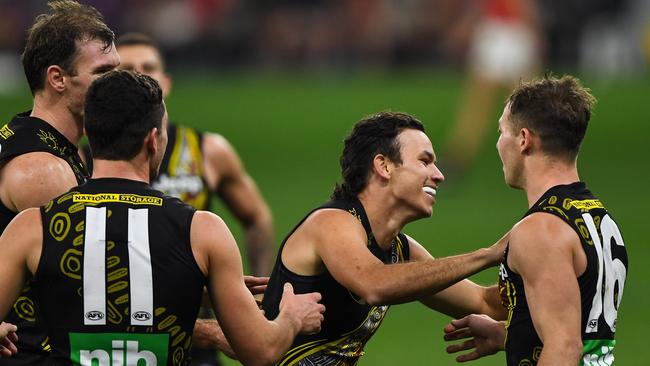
341 243
255 340
482 335
552 290
33 179
240 193
462 298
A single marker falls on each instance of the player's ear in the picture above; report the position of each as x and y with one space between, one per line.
382 166
55 77
151 142
526 140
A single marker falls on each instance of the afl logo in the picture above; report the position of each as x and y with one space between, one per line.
94 315
141 316
593 323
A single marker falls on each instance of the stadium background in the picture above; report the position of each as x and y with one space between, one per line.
287 111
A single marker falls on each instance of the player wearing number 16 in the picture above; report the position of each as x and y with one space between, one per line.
119 268
564 271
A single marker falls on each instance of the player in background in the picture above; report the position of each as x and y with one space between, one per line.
504 44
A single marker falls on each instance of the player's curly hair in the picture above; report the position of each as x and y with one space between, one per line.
556 109
54 37
372 135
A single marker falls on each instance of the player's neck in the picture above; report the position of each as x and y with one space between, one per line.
120 169
58 116
385 220
545 174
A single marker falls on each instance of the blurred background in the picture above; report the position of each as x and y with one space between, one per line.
285 80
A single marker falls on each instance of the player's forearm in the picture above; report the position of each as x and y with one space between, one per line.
492 303
465 298
412 281
561 352
277 337
259 247
208 335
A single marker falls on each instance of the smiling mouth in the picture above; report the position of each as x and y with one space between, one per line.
430 191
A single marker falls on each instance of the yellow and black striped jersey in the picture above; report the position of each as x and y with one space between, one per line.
117 281
601 285
23 135
349 321
181 171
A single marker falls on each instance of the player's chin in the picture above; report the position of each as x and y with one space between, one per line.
427 209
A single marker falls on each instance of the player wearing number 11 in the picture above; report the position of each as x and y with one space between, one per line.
119 268
563 274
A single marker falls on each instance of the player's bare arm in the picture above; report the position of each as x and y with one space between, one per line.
21 245
462 298
209 335
33 179
226 175
255 340
335 240
552 290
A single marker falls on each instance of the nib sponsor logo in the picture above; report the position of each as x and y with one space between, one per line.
118 349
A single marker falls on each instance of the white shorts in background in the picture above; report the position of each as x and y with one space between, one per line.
504 52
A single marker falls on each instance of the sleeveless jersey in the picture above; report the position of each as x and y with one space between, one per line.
601 285
26 134
181 172
349 321
117 282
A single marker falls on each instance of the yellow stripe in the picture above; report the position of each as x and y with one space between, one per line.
400 247
290 353
195 148
133 199
587 204
176 151
294 355
558 210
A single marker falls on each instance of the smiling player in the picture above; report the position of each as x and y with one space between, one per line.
352 250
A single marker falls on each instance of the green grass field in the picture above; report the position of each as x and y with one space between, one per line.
289 132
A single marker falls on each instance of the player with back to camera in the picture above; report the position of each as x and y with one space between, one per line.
119 268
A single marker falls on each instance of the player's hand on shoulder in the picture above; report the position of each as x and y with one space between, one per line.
303 308
7 338
498 249
481 334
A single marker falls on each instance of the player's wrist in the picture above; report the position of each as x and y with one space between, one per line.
288 320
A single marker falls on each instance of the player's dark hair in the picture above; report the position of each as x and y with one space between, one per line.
121 109
556 109
136 39
372 135
139 39
53 39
